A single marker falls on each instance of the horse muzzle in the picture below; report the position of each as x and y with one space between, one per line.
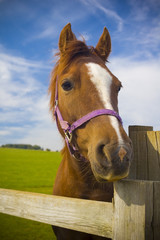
111 162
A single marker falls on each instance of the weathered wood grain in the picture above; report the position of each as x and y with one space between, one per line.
133 168
76 214
153 149
156 216
133 210
139 166
138 128
142 156
146 148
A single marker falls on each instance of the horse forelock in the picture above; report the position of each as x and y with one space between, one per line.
74 50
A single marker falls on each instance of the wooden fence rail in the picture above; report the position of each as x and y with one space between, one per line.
76 214
134 213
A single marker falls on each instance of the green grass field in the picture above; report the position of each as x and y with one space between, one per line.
32 171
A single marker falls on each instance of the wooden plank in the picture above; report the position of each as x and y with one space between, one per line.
133 210
140 128
82 215
149 209
133 167
139 166
142 160
156 204
153 155
158 141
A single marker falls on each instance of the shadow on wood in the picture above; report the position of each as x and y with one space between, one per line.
146 148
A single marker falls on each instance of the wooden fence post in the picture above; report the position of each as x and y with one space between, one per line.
156 214
153 147
146 148
146 166
136 210
139 151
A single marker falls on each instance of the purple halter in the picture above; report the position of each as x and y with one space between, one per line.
69 128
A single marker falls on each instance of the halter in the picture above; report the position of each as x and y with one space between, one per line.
69 128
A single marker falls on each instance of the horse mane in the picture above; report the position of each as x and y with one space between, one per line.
74 50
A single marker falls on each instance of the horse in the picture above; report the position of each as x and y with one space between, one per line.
84 102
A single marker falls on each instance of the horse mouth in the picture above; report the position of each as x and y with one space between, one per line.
111 171
109 176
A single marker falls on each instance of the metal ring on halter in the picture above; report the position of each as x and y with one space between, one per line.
56 103
68 136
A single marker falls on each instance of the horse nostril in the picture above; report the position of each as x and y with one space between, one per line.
126 158
111 154
100 152
103 154
122 154
100 149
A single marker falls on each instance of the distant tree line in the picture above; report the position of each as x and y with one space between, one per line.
23 146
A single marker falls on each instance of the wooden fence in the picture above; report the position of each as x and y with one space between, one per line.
134 213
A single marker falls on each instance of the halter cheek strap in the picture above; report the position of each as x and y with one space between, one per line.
69 128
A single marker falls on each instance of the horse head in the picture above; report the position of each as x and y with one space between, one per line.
85 84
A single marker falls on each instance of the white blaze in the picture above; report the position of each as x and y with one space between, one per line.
102 80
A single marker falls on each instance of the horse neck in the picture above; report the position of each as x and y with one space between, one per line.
75 179
77 168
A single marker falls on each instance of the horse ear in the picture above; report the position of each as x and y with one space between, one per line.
103 47
66 36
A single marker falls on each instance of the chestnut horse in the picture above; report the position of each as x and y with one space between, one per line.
83 98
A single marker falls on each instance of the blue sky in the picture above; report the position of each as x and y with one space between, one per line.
29 33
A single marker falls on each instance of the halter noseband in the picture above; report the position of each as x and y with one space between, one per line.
69 128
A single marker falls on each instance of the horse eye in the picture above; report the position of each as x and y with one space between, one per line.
119 88
67 86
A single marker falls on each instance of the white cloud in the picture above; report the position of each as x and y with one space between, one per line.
44 134
17 81
84 36
94 4
48 26
24 103
15 62
4 132
139 99
141 32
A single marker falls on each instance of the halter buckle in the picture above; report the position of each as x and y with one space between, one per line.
56 103
68 136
